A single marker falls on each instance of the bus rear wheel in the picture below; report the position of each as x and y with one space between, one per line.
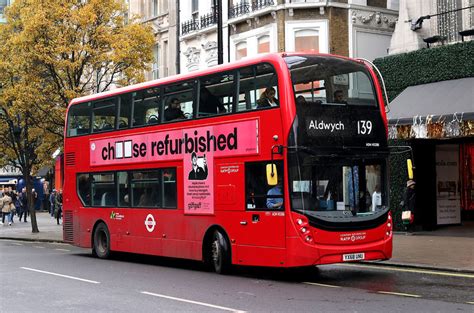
101 247
220 253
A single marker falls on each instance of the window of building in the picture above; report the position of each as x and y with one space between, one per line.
156 61
264 44
146 107
307 40
3 5
103 190
240 50
103 115
258 194
79 119
155 8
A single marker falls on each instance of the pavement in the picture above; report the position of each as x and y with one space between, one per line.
448 249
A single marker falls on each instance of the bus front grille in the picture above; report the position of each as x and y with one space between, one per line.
68 227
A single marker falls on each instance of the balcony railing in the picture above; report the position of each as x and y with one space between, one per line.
189 26
239 9
208 19
245 7
261 4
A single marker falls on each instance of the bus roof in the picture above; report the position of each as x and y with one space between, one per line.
265 57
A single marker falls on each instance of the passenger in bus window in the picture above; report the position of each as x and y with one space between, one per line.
267 98
173 111
272 201
209 104
198 172
339 97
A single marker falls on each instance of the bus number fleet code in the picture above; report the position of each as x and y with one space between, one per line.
196 147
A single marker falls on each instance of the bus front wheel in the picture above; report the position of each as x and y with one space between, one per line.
101 246
220 253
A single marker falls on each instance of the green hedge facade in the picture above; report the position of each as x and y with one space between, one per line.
426 66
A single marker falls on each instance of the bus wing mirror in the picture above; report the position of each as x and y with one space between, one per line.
272 176
410 169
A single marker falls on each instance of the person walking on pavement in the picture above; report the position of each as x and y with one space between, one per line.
23 204
58 205
52 200
409 202
6 202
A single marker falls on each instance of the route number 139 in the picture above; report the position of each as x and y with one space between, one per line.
364 127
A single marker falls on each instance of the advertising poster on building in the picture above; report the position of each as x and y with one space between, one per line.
448 198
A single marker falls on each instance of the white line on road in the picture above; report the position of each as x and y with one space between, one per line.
322 285
61 275
39 247
470 302
193 302
399 294
62 250
409 270
17 244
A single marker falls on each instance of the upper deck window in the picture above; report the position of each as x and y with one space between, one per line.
78 122
146 107
258 87
103 115
323 81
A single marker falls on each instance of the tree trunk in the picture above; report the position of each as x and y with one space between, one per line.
31 204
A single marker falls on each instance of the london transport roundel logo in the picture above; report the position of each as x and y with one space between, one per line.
150 223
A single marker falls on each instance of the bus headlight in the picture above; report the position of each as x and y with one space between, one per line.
299 221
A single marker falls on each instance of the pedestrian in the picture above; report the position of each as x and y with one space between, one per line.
52 200
409 203
58 205
6 202
23 204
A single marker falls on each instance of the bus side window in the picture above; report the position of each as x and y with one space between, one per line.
103 190
216 94
103 115
181 93
125 111
255 84
146 107
258 194
78 122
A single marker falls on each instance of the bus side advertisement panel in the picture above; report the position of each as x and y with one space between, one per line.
196 147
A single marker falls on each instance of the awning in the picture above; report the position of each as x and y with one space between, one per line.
440 99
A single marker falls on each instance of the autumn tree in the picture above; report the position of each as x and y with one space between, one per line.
52 51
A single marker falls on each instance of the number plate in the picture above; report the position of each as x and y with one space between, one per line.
353 257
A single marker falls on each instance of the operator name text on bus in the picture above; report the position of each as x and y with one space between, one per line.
269 161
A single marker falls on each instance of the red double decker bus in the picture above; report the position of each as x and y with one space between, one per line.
279 160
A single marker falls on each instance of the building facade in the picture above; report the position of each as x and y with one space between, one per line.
3 5
162 16
355 28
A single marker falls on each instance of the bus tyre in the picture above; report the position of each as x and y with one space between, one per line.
101 247
220 253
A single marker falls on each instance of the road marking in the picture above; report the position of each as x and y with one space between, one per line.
410 270
38 247
62 250
193 302
61 275
321 285
399 294
17 244
470 302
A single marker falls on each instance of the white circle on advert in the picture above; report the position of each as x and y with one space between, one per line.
93 146
150 223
